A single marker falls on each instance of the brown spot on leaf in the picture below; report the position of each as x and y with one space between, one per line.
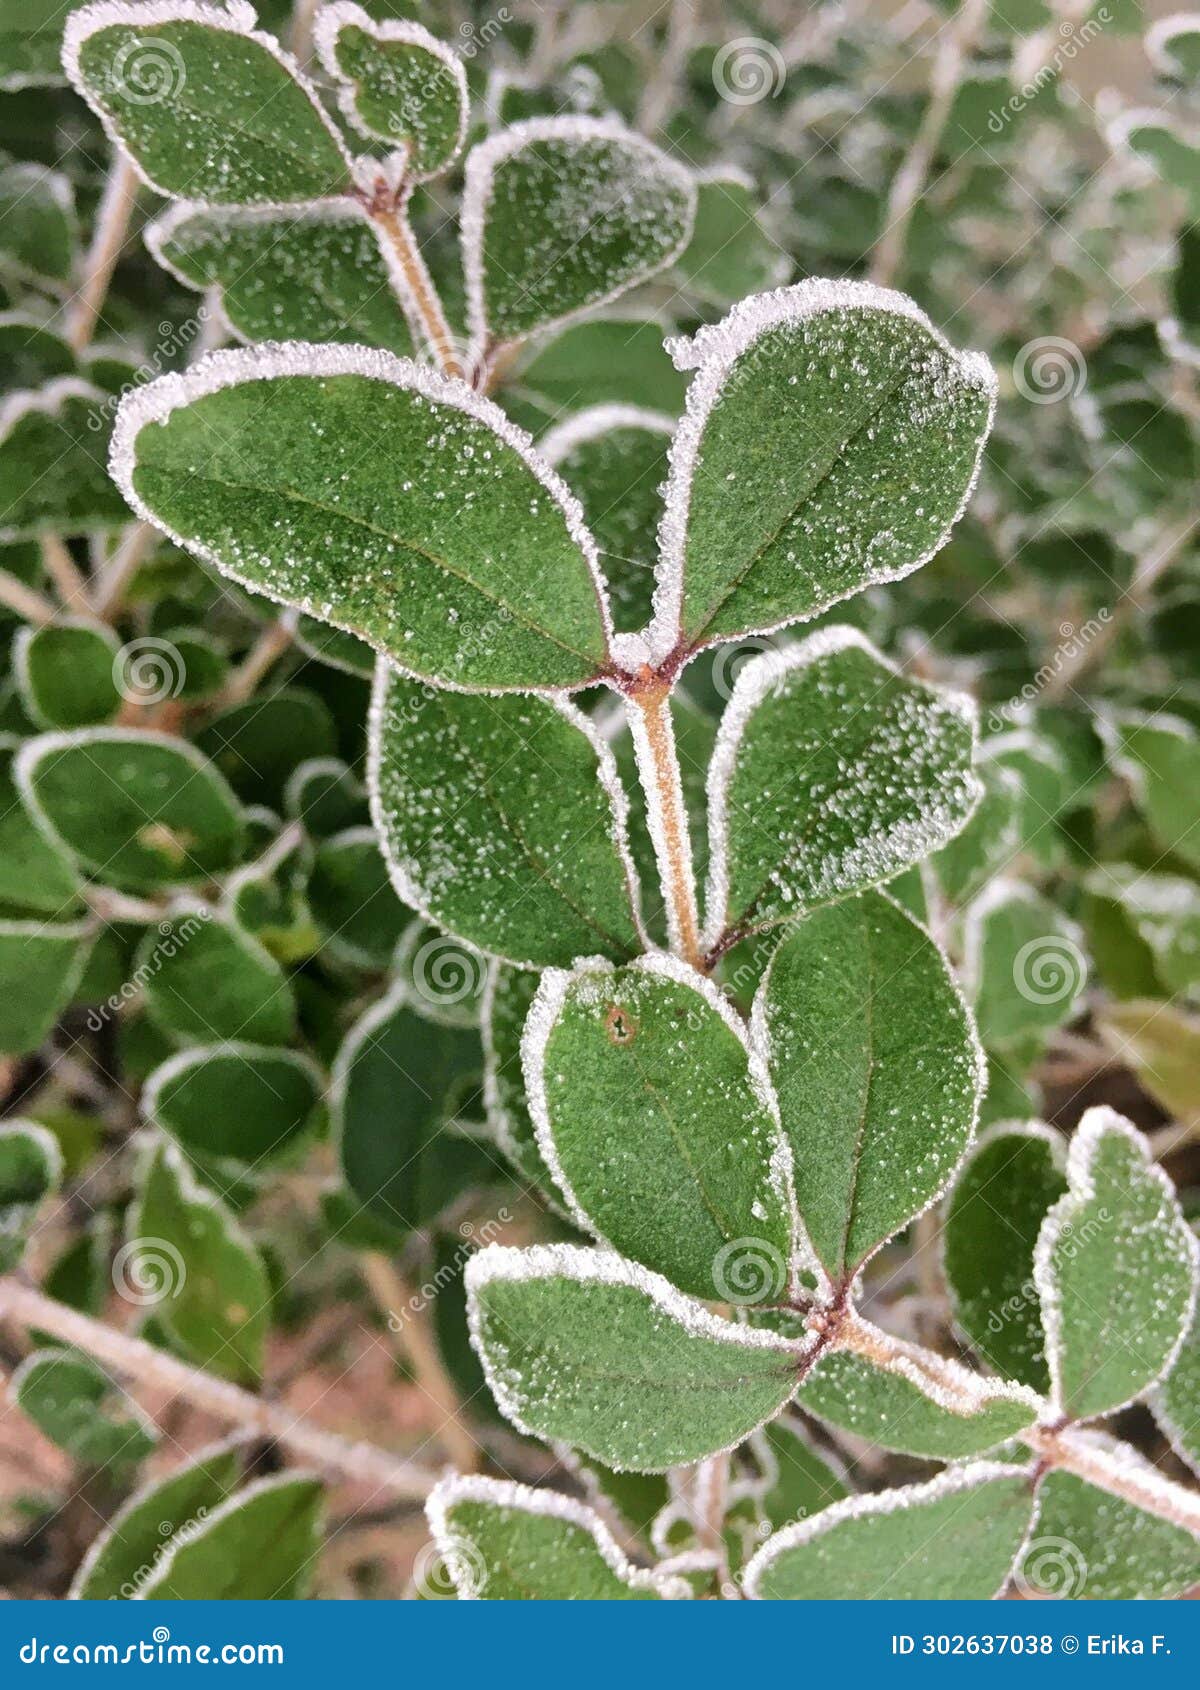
620 1025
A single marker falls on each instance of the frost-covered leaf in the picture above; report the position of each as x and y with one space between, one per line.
831 440
137 810
503 1542
563 213
260 1545
236 1102
954 1539
1011 1177
832 772
1089 1546
508 998
1166 146
315 273
1164 910
730 253
53 475
396 1082
874 1061
204 979
75 1404
325 796
206 105
582 1347
41 965
38 233
30 1169
1176 1402
1173 45
990 840
469 566
396 83
503 820
657 1123
1025 966
1159 756
126 1550
66 671
352 900
1116 1270
189 1262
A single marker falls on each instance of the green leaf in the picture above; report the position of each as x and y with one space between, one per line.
35 875
207 107
1012 1176
902 1408
396 83
325 796
1176 1402
41 964
1164 911
38 232
583 1347
261 1545
446 978
396 1081
1116 1270
68 671
31 43
315 273
503 1542
204 979
831 441
609 360
877 1070
188 1260
1159 756
278 467
800 1481
989 842
31 355
563 213
832 772
504 821
658 1125
730 253
237 1102
137 810
508 998
53 474
125 1553
1024 964
1090 1546
30 1169
352 899
74 1403
954 1539
258 745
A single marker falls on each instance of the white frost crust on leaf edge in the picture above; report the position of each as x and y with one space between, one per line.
408 888
485 158
553 1505
58 1351
331 19
1161 32
397 997
270 360
24 638
193 1055
235 17
712 352
1096 1123
970 1476
48 400
999 891
250 945
498 1120
593 422
257 1487
544 1012
760 1038
754 682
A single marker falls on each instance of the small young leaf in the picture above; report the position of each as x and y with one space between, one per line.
237 1102
1159 756
1012 1176
1089 1546
831 440
74 1403
1161 1044
325 796
583 1347
41 965
30 1169
563 213
990 840
396 83
659 1128
258 745
954 1539
352 899
206 105
53 477
831 773
503 1542
66 670
260 1545
204 979
1116 1270
1024 964
503 820
38 234
877 1070
1164 911
31 355
278 467
139 810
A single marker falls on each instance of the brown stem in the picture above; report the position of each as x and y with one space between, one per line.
69 582
26 601
140 1362
658 768
108 238
267 649
1119 1474
109 584
417 293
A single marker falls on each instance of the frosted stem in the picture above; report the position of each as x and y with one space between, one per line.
658 768
417 293
108 237
132 1357
414 1341
26 601
908 184
110 583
